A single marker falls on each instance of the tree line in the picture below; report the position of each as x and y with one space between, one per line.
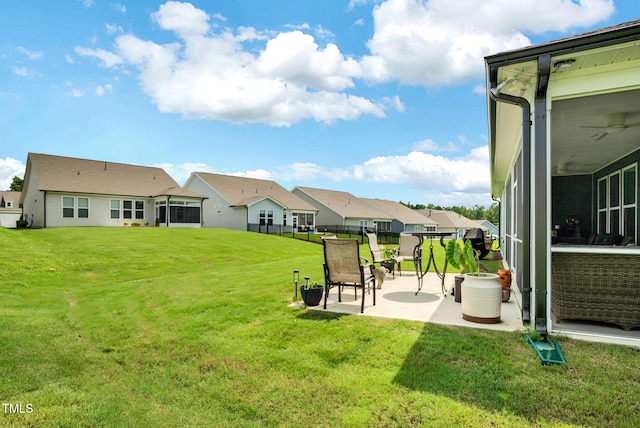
478 212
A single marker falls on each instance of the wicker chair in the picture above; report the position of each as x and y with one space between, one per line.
596 287
342 268
405 251
378 257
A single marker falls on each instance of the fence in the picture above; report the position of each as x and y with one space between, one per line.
384 237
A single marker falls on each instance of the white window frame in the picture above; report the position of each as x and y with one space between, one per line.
75 207
607 209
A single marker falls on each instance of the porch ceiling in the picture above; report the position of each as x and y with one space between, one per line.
575 148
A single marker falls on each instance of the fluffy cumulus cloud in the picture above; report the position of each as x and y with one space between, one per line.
9 168
247 75
442 42
209 74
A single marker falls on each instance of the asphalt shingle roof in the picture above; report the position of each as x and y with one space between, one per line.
242 191
65 174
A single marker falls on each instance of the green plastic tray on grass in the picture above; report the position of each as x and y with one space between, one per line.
549 353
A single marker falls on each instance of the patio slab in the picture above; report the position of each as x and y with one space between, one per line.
398 299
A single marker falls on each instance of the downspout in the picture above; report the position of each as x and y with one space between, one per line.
526 190
541 233
201 213
168 213
44 206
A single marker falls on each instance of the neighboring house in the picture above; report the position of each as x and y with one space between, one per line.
404 219
450 222
243 203
62 191
342 209
564 140
488 227
10 208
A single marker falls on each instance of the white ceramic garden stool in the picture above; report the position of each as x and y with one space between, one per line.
481 298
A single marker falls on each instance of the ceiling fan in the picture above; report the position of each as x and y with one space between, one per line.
564 168
613 124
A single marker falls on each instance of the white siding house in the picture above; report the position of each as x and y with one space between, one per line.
61 191
243 203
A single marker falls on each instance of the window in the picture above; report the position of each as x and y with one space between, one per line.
266 217
83 207
75 207
617 202
133 209
68 204
8 204
114 206
127 209
139 212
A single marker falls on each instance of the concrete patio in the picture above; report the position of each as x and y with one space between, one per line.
398 299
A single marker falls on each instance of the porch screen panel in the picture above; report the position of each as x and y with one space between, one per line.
602 206
614 203
629 196
182 214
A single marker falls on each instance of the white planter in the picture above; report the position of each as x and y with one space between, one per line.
481 298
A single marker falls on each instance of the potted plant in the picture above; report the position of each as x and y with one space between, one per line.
311 293
157 221
504 277
482 293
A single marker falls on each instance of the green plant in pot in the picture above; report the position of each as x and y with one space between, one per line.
481 292
311 293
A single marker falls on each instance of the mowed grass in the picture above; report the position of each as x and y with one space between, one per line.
192 327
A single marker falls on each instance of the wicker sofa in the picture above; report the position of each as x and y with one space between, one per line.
596 287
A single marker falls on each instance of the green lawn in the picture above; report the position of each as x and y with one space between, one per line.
191 327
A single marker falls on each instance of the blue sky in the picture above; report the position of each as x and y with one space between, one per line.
383 99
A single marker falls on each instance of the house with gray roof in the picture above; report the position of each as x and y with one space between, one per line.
342 209
10 209
450 221
62 191
244 203
404 219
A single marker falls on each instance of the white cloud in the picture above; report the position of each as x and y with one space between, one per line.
183 18
429 145
108 58
208 75
119 7
30 55
465 174
10 168
440 42
102 90
24 71
113 28
244 75
181 172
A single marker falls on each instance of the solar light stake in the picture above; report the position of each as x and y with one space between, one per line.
296 277
306 282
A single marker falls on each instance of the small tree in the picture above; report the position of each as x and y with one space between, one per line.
16 184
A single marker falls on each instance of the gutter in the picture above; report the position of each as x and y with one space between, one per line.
496 96
536 242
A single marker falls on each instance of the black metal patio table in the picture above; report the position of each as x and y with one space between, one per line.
417 258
